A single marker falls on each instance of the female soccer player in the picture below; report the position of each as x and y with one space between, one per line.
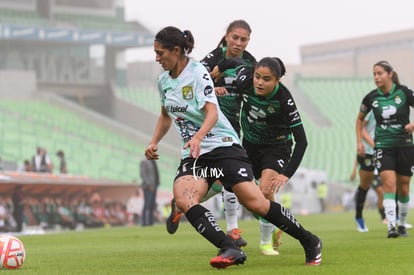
233 44
270 122
211 151
394 149
368 175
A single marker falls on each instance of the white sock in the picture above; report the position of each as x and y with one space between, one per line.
266 231
403 208
231 207
390 212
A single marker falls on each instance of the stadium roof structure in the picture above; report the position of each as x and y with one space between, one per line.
66 35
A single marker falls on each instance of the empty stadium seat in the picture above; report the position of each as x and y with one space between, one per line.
89 149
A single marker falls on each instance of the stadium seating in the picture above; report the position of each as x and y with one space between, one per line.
89 149
89 22
21 17
333 148
147 99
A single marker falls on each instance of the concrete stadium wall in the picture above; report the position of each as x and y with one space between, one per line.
17 84
356 56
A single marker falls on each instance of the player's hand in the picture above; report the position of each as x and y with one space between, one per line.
353 176
278 182
409 128
220 91
361 149
151 152
194 145
216 74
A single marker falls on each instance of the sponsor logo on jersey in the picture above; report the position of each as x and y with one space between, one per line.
206 76
208 90
176 109
187 92
227 139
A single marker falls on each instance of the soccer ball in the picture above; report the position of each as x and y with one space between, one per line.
12 252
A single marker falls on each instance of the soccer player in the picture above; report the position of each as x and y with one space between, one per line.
211 151
233 44
394 150
367 174
271 126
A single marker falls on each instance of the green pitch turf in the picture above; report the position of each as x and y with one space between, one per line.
151 250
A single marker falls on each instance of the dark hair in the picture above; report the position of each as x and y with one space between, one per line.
389 69
169 37
275 64
233 25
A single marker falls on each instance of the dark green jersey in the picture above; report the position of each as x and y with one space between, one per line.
268 120
392 113
229 103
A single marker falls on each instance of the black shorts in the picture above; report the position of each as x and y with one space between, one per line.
268 156
229 165
400 160
366 163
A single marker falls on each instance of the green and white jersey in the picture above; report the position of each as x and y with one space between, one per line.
268 120
392 113
184 98
229 103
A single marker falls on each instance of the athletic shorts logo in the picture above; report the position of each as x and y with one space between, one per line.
243 172
187 92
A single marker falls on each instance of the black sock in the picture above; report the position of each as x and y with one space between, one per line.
205 223
360 196
285 221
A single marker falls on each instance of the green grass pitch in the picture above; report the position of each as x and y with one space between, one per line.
151 250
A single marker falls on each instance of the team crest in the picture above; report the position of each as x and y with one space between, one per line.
368 162
187 92
397 100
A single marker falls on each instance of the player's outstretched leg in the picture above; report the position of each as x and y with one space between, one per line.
285 221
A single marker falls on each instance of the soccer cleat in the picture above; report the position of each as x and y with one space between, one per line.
174 218
227 257
393 233
314 253
276 239
267 250
361 225
402 231
408 226
235 235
